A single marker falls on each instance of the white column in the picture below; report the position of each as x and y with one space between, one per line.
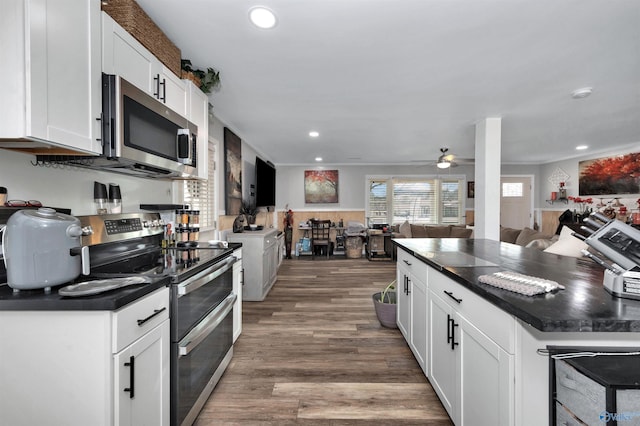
487 176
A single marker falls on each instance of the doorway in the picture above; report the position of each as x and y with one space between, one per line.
516 207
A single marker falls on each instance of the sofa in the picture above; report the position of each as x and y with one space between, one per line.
564 243
527 237
409 230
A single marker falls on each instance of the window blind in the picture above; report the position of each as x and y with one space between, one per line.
199 194
378 201
426 200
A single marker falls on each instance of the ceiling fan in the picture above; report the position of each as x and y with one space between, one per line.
446 160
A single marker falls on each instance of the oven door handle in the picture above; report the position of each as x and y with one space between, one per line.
206 276
206 326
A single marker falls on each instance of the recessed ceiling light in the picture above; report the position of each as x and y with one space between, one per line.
581 147
262 17
318 158
581 93
314 134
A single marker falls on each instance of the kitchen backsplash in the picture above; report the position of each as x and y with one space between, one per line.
73 187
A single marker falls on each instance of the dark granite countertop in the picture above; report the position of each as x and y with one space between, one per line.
583 306
38 300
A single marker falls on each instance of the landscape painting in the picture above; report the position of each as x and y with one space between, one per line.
320 186
610 175
232 172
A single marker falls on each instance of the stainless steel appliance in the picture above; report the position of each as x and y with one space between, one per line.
41 249
202 299
129 245
140 136
618 243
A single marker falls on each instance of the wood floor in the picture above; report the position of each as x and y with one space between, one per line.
313 353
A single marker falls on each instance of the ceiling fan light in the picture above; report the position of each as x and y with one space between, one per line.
443 164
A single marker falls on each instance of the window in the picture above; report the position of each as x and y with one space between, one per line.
512 189
199 194
427 200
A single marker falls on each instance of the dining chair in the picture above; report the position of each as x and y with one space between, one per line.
320 236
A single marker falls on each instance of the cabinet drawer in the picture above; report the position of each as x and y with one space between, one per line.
412 265
498 325
578 393
137 318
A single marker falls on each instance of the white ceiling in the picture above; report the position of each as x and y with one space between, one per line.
392 81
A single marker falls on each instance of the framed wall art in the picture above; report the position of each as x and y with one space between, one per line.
320 186
471 189
232 172
610 175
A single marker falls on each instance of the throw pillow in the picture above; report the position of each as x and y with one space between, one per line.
405 229
509 235
438 231
418 231
541 243
460 232
527 235
567 244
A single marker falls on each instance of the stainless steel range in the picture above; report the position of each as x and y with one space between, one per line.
202 298
126 249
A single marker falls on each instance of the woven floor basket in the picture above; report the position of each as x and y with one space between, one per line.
132 18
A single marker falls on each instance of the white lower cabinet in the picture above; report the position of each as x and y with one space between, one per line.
96 368
260 260
411 293
471 373
238 283
442 360
464 344
140 370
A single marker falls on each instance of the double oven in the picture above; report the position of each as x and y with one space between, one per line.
201 305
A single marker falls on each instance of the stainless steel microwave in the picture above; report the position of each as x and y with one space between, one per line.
142 136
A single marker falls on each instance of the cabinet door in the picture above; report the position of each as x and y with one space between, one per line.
237 289
403 307
198 114
141 380
123 55
419 311
173 91
442 353
485 385
50 72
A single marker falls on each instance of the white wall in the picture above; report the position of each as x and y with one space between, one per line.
73 187
351 187
571 168
216 132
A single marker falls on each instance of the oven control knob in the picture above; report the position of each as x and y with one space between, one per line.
155 224
145 224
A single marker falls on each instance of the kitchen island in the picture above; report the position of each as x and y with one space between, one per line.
484 349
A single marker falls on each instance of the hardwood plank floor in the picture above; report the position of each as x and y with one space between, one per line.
313 353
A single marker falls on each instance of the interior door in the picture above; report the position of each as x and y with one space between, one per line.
515 202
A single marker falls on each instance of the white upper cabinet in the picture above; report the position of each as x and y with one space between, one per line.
125 56
198 114
50 75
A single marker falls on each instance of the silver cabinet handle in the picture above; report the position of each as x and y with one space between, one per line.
206 326
206 276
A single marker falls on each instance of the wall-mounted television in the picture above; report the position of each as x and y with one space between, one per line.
265 183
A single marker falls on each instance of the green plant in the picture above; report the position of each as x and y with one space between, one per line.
249 208
209 79
385 292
